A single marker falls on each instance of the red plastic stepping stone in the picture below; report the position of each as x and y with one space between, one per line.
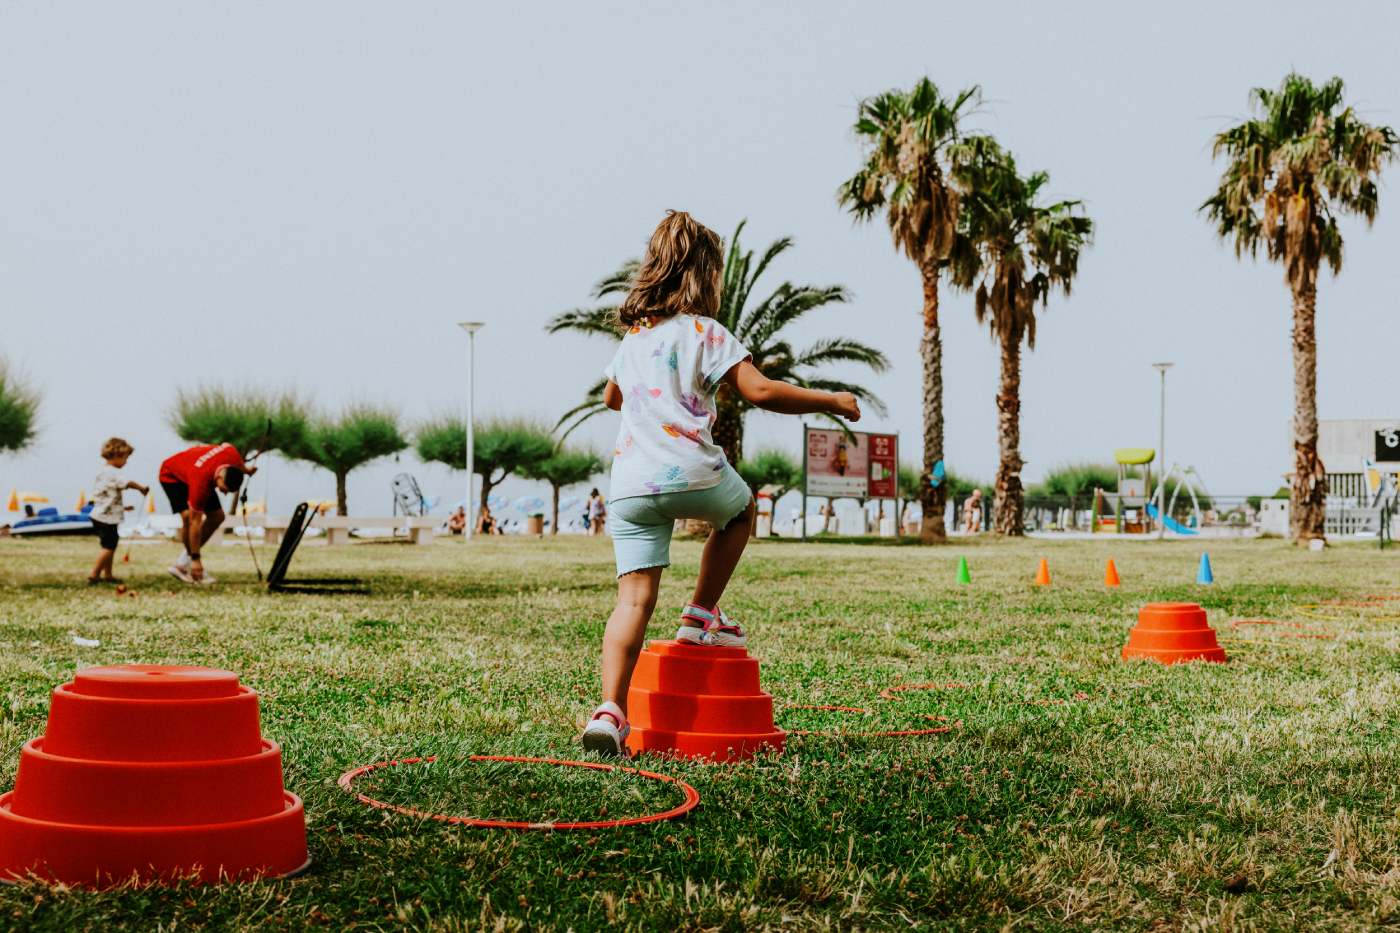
1172 633
693 701
155 773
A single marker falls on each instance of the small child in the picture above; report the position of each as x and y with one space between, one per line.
673 359
107 507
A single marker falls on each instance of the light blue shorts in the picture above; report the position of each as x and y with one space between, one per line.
641 525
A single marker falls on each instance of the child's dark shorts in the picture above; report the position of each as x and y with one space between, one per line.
106 534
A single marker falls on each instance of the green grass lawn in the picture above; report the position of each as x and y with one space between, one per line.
1075 790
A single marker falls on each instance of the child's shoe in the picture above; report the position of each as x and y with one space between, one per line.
724 632
719 630
180 573
606 733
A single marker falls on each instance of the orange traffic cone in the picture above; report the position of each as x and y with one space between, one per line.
1110 574
14 501
1172 633
150 503
1042 573
82 501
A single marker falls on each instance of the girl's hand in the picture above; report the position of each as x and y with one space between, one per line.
846 405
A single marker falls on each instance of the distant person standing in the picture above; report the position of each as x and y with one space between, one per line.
972 513
192 480
597 512
107 506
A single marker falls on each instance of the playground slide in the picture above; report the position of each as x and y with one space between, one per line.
1171 523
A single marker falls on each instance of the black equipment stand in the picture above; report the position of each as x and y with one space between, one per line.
277 581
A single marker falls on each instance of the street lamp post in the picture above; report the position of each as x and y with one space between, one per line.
471 327
1162 446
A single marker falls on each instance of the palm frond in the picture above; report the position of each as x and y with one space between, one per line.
595 321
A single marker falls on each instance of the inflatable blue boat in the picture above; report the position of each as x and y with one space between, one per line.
49 522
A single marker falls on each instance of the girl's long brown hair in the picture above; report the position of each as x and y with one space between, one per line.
680 274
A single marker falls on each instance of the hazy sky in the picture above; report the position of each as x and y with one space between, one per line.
310 195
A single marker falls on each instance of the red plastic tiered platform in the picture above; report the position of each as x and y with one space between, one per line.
699 702
152 772
1172 633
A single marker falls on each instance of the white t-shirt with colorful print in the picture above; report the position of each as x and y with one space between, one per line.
668 374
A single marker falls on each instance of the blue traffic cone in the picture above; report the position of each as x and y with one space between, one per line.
1204 575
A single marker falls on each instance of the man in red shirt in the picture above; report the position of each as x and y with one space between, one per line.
192 480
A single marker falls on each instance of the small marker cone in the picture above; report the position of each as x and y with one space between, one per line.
1110 574
1204 575
82 501
150 503
1042 573
964 576
14 501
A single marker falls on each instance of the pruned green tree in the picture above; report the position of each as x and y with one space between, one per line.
251 420
1290 172
771 467
1075 480
501 446
19 411
759 326
346 442
1018 250
907 137
911 489
562 468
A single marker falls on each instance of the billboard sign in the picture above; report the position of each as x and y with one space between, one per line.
851 466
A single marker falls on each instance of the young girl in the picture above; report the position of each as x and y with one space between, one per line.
674 357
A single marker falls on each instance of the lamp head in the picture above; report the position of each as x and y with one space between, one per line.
1162 367
471 327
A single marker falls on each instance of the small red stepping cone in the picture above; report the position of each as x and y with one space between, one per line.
1171 633
154 773
700 702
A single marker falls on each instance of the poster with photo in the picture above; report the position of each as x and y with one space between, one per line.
884 466
838 464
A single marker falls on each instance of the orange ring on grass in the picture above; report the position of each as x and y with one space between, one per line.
692 796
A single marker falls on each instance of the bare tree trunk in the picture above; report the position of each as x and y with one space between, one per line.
1007 509
931 529
1308 510
340 505
554 526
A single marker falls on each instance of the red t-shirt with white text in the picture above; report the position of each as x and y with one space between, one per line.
196 467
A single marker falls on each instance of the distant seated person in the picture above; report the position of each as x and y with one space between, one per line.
457 521
192 480
972 513
486 522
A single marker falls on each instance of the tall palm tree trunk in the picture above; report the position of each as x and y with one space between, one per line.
931 498
728 429
1308 511
1006 517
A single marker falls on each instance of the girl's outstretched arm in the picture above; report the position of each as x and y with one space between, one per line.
787 399
612 396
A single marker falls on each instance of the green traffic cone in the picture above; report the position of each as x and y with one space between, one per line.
964 576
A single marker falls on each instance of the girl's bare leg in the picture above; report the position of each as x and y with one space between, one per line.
626 630
721 556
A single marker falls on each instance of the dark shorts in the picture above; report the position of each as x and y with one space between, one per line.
179 496
106 534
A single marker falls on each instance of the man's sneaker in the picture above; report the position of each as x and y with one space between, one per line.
606 733
180 573
206 580
724 632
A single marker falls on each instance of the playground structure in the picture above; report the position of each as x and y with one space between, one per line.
1134 504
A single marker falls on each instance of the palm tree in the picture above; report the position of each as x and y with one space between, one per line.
1304 160
759 328
1014 251
907 135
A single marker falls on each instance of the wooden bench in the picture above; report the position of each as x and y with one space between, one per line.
421 529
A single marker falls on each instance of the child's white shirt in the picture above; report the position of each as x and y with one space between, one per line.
668 374
107 496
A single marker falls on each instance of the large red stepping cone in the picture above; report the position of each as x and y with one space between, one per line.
155 773
1171 633
700 702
